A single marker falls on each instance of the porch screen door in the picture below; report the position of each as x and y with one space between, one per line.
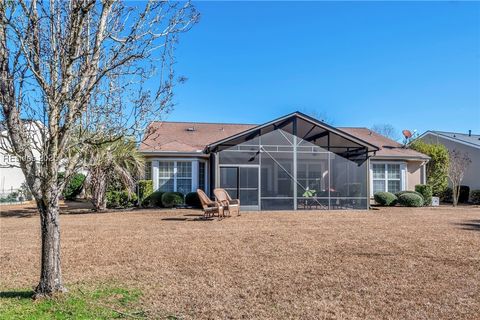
241 182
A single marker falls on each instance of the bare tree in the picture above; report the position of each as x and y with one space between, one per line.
77 68
386 130
459 162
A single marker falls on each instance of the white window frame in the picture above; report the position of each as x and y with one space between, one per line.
193 177
403 174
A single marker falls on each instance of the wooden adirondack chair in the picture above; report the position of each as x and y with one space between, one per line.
224 198
210 207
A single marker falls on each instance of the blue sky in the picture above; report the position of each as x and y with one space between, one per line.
412 65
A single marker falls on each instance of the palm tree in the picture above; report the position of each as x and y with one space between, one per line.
117 161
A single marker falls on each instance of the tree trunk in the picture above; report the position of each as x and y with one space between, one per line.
99 189
51 271
455 194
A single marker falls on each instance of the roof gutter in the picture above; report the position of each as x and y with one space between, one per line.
426 159
199 153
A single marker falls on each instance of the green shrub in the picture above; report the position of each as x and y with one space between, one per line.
145 189
113 199
11 197
426 191
180 195
437 167
121 199
475 196
447 195
74 186
410 200
385 198
192 200
154 199
172 199
398 194
464 194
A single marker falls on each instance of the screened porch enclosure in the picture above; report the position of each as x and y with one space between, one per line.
274 169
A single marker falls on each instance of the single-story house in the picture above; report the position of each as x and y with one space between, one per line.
464 142
293 162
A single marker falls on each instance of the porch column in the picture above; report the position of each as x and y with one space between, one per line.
155 165
194 175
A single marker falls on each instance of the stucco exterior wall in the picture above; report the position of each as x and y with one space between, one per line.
414 174
472 175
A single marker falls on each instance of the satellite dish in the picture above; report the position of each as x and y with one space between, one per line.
407 134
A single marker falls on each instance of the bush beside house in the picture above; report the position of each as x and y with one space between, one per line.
398 194
475 196
447 195
144 189
74 186
121 199
154 199
410 200
437 167
464 194
426 191
385 198
192 200
172 199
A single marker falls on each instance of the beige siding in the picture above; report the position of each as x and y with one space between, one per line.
472 175
414 174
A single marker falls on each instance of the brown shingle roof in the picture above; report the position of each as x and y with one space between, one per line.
388 147
179 136
194 136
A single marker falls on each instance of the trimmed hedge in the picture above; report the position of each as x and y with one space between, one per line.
385 198
154 199
181 195
447 195
192 200
74 186
398 194
410 200
426 191
475 196
121 199
145 189
172 199
464 194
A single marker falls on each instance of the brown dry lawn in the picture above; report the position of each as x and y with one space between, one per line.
396 263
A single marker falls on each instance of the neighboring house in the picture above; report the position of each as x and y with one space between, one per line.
463 142
11 175
270 166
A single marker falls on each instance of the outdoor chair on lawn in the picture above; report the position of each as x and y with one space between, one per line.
224 198
210 207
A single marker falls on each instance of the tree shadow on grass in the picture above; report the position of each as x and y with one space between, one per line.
28 210
26 294
22 212
472 225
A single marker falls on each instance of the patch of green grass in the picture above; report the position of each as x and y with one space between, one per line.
102 303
